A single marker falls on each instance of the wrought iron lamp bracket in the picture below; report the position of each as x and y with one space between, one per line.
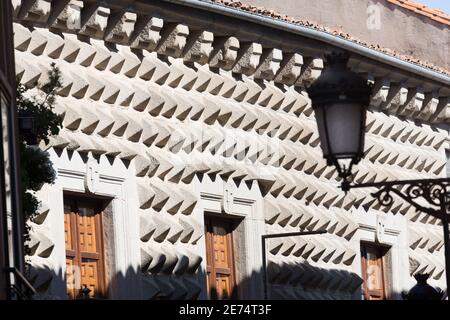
436 192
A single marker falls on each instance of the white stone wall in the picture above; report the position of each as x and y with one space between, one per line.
171 122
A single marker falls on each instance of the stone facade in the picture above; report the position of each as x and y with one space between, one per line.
169 121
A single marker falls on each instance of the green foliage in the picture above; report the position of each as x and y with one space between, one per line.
46 122
36 167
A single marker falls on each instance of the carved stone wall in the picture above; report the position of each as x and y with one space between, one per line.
175 104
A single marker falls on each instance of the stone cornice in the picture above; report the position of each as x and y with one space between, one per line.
133 23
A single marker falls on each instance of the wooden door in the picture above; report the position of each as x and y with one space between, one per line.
84 248
220 259
373 273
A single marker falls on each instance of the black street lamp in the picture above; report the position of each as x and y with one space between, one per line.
340 99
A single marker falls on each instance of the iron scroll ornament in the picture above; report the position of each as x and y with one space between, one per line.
436 192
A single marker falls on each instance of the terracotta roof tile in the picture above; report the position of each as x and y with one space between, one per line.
443 18
440 20
435 14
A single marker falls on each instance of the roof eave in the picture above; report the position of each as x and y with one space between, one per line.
315 34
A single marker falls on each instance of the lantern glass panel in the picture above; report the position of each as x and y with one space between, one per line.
340 126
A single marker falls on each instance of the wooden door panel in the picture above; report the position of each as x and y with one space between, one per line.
84 253
372 269
90 276
220 264
71 278
87 232
68 231
225 271
223 285
374 276
221 251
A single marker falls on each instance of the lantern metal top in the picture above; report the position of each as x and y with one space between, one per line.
338 83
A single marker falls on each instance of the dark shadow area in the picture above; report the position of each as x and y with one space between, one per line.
175 281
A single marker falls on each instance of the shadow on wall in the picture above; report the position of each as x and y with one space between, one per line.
286 281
